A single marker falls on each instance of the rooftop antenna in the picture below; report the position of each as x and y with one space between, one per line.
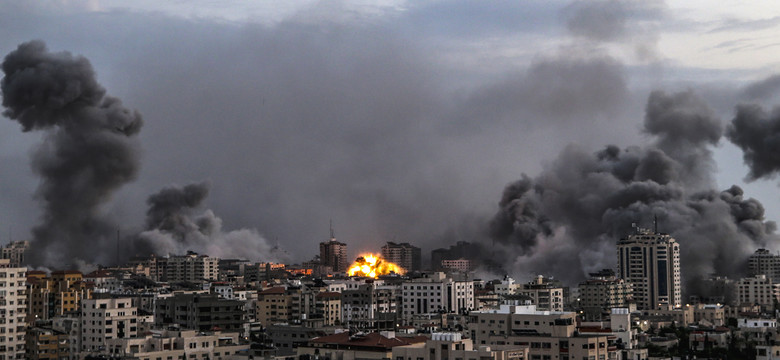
332 233
117 247
655 223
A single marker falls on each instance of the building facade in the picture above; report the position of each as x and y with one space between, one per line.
602 292
758 290
436 293
106 319
763 262
333 253
404 255
650 261
13 310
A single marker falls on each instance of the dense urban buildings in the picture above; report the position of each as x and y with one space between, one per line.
650 261
199 306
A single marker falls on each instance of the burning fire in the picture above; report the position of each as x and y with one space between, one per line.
371 265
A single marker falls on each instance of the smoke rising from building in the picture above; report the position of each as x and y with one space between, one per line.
757 133
89 149
575 210
173 226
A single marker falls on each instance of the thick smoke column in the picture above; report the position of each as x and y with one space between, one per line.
757 133
89 149
566 221
173 227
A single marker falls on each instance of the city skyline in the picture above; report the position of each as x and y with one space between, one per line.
405 122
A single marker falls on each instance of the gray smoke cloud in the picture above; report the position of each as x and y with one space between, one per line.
89 150
570 216
173 226
762 89
757 133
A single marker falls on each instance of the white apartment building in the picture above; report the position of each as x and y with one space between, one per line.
508 286
13 310
106 319
192 267
436 293
758 290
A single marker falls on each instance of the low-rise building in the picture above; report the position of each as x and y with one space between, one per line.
444 346
346 346
187 344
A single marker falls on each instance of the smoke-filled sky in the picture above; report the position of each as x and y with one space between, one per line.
405 120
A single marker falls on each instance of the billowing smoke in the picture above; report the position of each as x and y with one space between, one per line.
89 150
173 226
757 133
565 222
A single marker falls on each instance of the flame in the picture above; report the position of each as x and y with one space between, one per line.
370 265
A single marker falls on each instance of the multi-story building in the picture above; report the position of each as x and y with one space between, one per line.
204 312
273 305
262 271
15 252
55 295
758 290
650 261
369 307
436 293
546 295
461 250
333 253
547 334
106 319
185 344
444 346
763 262
507 286
602 292
404 255
190 267
47 343
13 310
462 265
329 307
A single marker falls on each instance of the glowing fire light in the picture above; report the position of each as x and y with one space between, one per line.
371 265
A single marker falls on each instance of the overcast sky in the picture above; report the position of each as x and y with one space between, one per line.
397 120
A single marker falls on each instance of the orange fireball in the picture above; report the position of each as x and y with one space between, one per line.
370 265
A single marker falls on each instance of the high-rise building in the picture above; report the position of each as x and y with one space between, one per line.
404 255
13 310
763 262
650 261
334 254
14 252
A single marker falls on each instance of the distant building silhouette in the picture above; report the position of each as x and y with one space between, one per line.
334 254
404 255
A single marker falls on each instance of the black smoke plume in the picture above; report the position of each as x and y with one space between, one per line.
565 222
89 150
173 226
757 133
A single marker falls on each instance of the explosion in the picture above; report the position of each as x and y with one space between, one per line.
370 265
